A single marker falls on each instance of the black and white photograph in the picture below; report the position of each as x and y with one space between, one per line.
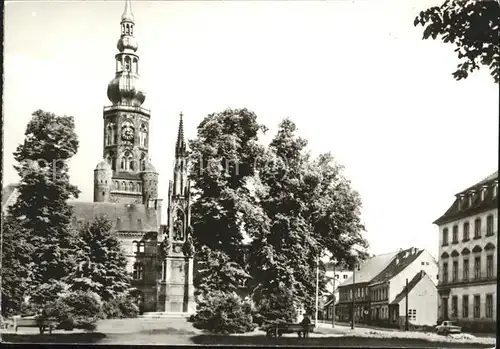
250 173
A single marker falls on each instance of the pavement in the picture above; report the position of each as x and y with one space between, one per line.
176 331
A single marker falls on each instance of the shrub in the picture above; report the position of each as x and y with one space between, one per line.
220 312
75 310
276 307
119 308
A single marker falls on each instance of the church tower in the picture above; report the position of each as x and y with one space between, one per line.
177 245
126 130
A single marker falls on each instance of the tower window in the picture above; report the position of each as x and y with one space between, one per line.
103 193
138 273
127 63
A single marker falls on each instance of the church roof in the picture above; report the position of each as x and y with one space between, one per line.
125 217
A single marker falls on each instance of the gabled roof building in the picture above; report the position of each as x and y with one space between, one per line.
381 279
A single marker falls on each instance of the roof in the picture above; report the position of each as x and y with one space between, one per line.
103 165
487 180
125 217
6 193
399 263
414 282
477 205
371 268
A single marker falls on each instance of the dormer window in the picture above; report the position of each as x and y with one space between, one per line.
461 202
495 188
471 198
483 192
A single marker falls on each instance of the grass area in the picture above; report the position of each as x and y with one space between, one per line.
93 337
343 341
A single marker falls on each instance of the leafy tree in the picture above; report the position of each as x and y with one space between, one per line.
217 272
102 265
222 159
41 210
74 310
473 26
15 267
224 312
311 209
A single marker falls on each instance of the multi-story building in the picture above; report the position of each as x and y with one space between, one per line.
380 280
410 265
363 275
468 256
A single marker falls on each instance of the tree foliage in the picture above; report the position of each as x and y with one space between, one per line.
41 211
221 159
293 208
16 271
473 27
223 312
74 310
102 263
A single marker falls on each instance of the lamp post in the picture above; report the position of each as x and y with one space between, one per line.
334 289
353 293
317 292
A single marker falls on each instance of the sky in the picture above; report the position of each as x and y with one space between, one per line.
355 76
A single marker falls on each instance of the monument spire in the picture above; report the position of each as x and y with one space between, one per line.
180 145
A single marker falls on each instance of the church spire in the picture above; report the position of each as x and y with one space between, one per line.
128 16
125 88
180 146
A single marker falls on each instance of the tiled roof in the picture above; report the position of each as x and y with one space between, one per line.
398 264
414 282
477 205
487 180
125 217
371 268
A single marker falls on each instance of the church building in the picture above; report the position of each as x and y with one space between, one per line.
160 254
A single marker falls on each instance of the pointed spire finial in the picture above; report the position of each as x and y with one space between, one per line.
127 13
180 147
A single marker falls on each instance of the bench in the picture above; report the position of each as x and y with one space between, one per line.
33 321
277 330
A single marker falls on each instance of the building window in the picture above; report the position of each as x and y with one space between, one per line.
466 269
489 225
455 234
477 306
466 231
135 246
445 236
138 273
465 306
142 246
454 274
489 266
412 314
454 306
477 228
477 267
489 306
345 276
445 272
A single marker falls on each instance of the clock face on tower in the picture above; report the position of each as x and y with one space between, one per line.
127 131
